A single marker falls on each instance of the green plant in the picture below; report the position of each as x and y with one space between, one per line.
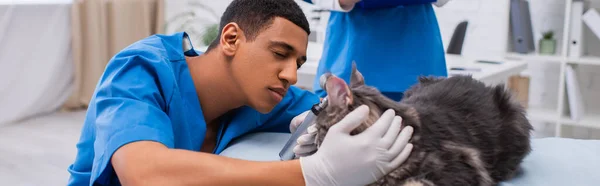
192 23
548 35
210 34
547 45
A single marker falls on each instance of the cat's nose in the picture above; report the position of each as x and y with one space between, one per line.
323 79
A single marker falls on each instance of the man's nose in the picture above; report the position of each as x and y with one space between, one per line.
289 73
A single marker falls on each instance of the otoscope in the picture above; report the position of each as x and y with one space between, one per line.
287 153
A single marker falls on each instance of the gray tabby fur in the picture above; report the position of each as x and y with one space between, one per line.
465 133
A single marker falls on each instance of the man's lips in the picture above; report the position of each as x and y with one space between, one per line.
278 90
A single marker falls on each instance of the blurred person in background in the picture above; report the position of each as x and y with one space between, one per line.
391 41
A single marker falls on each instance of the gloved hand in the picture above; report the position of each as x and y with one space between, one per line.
360 159
305 145
440 3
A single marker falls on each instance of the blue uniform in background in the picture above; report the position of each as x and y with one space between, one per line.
147 93
391 46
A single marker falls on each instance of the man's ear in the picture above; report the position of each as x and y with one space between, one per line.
230 39
356 79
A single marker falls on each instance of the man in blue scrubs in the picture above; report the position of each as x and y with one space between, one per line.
162 111
391 41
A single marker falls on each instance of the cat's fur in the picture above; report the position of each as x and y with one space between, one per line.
465 133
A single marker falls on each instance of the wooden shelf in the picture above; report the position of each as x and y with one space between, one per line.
534 57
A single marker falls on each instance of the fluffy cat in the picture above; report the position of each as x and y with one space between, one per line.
465 133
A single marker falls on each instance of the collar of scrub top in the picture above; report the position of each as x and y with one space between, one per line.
188 48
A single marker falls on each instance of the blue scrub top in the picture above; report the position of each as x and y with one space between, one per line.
391 46
147 93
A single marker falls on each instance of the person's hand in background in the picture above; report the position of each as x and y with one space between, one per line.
348 4
440 3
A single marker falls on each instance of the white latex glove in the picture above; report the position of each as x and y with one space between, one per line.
360 159
305 145
440 3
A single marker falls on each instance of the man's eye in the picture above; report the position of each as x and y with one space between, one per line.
279 54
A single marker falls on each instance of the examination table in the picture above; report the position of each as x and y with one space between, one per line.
553 161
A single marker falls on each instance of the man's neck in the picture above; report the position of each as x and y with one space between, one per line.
215 87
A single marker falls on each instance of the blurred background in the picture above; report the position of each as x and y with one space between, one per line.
52 53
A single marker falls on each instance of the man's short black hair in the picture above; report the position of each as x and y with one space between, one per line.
252 16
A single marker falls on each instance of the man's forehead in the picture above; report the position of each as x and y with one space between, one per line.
288 25
283 30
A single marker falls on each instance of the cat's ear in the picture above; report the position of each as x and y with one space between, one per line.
356 78
338 92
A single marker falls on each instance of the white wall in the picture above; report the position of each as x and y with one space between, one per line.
486 31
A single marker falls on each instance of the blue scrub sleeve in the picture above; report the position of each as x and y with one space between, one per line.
295 102
129 107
